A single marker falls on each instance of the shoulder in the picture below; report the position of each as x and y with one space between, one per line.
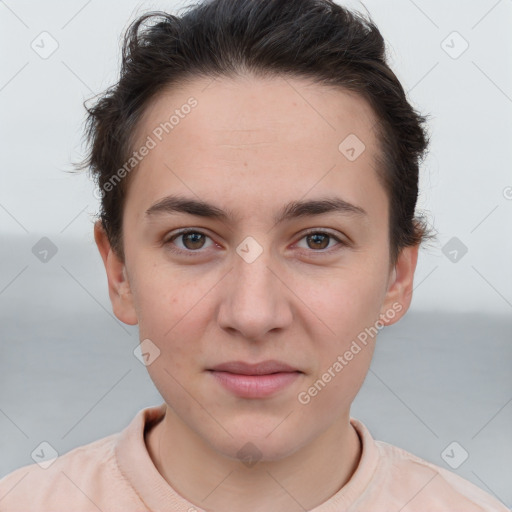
416 484
76 480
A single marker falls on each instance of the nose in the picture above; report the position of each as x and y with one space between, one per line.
255 299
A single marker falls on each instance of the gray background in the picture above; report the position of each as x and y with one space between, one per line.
67 370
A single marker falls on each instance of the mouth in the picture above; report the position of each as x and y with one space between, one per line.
255 380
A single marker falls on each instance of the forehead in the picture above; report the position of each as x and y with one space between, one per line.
223 137
245 108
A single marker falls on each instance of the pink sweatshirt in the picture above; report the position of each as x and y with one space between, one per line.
116 473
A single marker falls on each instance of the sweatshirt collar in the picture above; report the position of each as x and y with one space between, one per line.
135 464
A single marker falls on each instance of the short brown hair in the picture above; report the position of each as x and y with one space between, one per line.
315 39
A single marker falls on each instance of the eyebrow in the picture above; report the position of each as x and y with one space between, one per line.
178 204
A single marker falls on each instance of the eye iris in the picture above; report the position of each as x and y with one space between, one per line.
323 238
194 238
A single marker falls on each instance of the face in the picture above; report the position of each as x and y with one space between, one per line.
258 276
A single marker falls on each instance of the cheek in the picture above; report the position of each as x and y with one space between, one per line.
175 309
345 301
164 296
344 342
170 313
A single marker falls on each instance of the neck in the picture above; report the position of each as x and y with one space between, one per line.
301 481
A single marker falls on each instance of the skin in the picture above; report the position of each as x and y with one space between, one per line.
250 146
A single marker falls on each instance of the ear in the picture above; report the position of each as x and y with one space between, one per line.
400 285
118 285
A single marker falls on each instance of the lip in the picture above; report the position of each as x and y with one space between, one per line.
255 380
262 368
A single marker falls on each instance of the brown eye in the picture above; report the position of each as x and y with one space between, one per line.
193 240
188 241
318 240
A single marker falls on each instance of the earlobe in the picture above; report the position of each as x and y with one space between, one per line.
399 294
118 283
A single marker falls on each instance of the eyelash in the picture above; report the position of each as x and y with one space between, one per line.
190 253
